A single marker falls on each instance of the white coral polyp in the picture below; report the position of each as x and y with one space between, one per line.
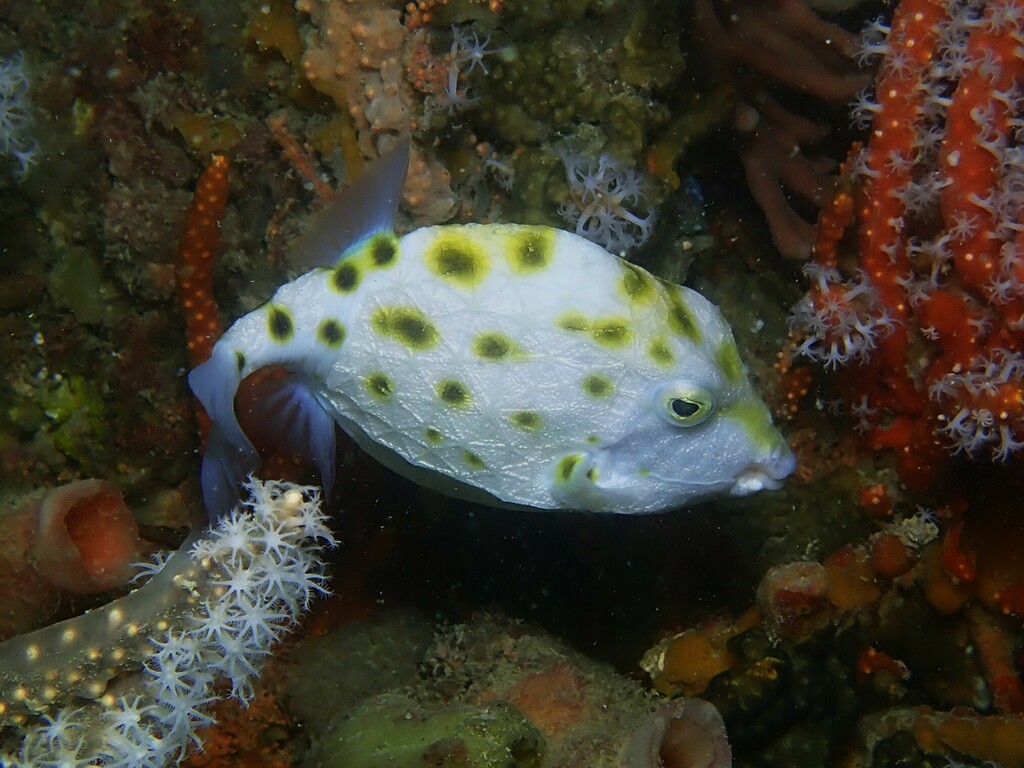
608 203
15 115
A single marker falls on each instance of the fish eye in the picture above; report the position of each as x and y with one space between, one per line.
687 405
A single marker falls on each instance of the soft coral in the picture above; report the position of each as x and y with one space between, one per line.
607 203
15 115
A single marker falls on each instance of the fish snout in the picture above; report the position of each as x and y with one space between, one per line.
768 473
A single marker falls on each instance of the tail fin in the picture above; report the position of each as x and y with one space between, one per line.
230 457
293 414
286 413
225 468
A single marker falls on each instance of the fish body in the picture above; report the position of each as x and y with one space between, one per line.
516 365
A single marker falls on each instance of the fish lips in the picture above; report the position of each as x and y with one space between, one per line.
765 475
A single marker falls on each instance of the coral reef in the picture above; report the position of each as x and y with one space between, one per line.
355 56
685 733
89 389
393 731
451 73
902 617
990 741
835 622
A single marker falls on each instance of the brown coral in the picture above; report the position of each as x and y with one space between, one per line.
355 55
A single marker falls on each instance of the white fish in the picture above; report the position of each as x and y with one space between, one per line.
515 365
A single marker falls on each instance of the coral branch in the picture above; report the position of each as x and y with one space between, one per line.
278 125
196 256
194 268
757 47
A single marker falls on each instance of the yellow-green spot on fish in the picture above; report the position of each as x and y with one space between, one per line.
566 465
636 283
383 249
660 353
577 380
528 421
454 393
756 423
280 325
728 359
598 385
345 277
406 325
473 461
573 321
331 332
495 346
681 319
379 385
458 259
530 250
611 331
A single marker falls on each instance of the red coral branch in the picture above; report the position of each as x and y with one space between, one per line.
194 269
929 327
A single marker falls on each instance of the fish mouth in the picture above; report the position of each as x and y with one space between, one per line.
765 475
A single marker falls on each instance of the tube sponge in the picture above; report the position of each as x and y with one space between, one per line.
683 733
86 538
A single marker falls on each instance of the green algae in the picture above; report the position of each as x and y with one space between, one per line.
390 731
651 57
547 85
71 416
78 283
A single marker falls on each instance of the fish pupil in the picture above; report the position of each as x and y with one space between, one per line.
684 409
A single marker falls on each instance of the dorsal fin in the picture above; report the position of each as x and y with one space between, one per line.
365 207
